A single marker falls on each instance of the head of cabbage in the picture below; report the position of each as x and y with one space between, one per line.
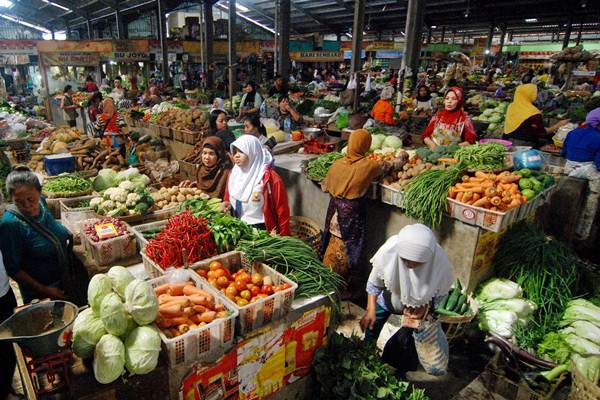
141 302
142 348
109 359
87 331
106 178
100 285
120 278
113 314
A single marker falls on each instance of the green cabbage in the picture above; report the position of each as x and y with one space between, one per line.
581 310
141 302
555 347
120 278
523 308
142 348
140 181
100 285
87 331
106 178
127 175
500 322
376 142
393 142
584 329
113 314
581 345
589 366
109 359
499 289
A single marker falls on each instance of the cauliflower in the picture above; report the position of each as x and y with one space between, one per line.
108 205
95 202
119 195
132 199
108 193
127 186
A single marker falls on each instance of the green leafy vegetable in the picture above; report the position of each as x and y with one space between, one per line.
485 156
317 168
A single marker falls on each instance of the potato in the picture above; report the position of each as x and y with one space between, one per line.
180 198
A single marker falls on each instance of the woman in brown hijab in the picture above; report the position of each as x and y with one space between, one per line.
215 169
347 181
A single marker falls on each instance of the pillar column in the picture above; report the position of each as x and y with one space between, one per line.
488 46
284 38
162 36
231 46
88 25
568 33
412 45
357 36
121 28
209 34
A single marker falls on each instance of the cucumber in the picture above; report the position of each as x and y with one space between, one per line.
452 299
444 301
458 285
446 312
464 308
459 303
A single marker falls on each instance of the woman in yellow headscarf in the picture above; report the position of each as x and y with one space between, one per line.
348 181
523 123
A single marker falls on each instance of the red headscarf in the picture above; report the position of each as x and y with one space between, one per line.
453 117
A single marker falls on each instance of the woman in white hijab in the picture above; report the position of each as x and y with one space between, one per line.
254 190
217 104
411 273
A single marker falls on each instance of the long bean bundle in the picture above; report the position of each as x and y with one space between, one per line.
317 169
296 260
425 199
482 156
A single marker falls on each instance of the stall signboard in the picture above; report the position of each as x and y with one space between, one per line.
389 54
83 46
131 46
348 54
74 58
317 56
382 45
18 47
221 47
14 59
172 46
126 56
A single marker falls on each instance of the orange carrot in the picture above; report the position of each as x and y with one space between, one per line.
459 196
496 201
200 300
490 192
190 290
171 310
183 328
199 309
176 289
483 202
207 317
170 322
195 319
465 178
183 300
222 314
467 197
219 307
162 289
476 197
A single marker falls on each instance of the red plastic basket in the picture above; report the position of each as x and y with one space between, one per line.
320 146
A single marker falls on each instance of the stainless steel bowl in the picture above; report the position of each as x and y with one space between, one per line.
312 133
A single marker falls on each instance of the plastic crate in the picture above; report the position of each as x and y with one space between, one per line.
152 268
72 216
262 312
206 343
71 204
56 164
373 191
392 196
494 221
109 252
139 230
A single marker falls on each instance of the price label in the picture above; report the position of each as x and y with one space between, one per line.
106 231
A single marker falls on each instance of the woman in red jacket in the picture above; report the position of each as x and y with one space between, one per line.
254 190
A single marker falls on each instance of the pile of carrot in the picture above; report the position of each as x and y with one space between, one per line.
495 192
183 306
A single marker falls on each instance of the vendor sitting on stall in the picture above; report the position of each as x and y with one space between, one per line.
251 100
581 148
34 245
255 192
383 110
279 88
253 127
217 104
118 92
218 127
523 123
289 119
423 102
213 174
450 125
411 273
110 124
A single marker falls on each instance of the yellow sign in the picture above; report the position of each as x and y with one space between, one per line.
125 56
91 46
221 47
71 58
131 46
317 56
106 231
382 45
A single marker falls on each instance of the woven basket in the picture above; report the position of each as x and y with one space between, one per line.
454 326
582 388
306 230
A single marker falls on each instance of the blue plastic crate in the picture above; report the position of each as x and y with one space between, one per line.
59 163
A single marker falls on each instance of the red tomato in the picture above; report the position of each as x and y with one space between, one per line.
211 274
240 284
219 273
212 281
215 265
242 302
222 281
231 292
245 294
255 290
257 279
203 273
267 289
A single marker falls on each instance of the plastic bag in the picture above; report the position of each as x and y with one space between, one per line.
368 87
342 119
352 83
